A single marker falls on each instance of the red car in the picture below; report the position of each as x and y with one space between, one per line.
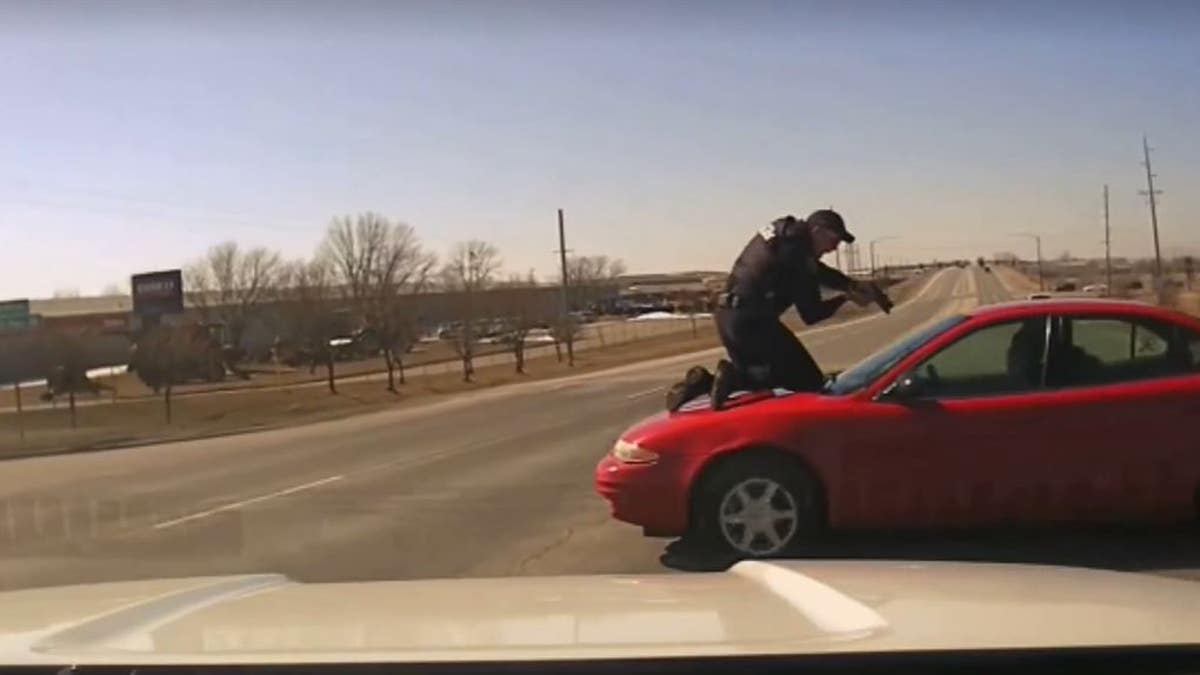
1029 412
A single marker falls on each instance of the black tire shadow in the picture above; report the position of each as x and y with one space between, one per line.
1125 548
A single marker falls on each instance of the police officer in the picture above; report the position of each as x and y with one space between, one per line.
778 269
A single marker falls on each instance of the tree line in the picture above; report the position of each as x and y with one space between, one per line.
359 281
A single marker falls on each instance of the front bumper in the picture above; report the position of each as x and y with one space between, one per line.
653 496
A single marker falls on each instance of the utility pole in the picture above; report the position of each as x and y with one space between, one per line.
566 309
1038 240
1041 275
1152 193
1107 247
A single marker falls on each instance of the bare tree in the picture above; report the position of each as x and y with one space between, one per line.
62 359
397 339
469 269
523 311
587 270
229 285
309 317
167 356
565 331
378 263
589 277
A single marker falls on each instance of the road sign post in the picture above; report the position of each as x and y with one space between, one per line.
20 417
157 293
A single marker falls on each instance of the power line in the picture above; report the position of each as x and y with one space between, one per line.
103 202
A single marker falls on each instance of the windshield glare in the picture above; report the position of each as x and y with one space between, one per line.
875 365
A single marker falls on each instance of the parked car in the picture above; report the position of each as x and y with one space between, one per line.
974 420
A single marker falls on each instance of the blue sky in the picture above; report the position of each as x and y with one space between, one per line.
140 134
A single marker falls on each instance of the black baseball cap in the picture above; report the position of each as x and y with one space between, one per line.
830 220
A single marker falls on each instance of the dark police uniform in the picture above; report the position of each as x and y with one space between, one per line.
777 270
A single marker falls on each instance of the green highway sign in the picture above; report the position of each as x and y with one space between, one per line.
14 315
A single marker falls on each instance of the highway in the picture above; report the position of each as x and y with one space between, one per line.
493 483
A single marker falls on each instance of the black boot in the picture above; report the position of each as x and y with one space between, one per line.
725 383
697 382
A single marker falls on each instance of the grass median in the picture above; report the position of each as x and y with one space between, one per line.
132 422
109 423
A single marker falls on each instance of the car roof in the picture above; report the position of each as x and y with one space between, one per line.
1019 308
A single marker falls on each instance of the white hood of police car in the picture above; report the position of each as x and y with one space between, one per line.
802 607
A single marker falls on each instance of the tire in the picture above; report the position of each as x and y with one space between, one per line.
757 506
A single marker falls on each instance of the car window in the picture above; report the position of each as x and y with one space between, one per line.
875 365
998 359
1098 350
1115 342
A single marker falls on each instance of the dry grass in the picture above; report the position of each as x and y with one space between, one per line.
127 386
1017 282
128 422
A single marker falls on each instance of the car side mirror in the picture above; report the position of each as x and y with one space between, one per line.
907 387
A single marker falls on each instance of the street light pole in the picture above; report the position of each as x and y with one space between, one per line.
1038 240
1107 247
871 248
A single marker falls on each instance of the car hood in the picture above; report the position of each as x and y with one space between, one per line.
665 430
753 608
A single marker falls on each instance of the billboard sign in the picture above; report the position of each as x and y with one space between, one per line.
14 315
157 293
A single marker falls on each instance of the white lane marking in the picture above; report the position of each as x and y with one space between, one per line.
639 394
245 502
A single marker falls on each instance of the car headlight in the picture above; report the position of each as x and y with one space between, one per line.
632 453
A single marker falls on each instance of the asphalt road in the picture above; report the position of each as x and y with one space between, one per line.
493 483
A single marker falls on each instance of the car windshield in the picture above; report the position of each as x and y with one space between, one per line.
866 371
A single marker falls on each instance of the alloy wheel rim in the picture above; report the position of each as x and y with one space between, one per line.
758 517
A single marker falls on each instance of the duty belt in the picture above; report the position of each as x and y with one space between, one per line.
731 300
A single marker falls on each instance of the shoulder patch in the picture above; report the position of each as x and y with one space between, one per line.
767 232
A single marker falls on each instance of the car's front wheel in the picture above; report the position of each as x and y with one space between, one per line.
757 506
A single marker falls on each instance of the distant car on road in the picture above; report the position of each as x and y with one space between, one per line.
1027 412
539 336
